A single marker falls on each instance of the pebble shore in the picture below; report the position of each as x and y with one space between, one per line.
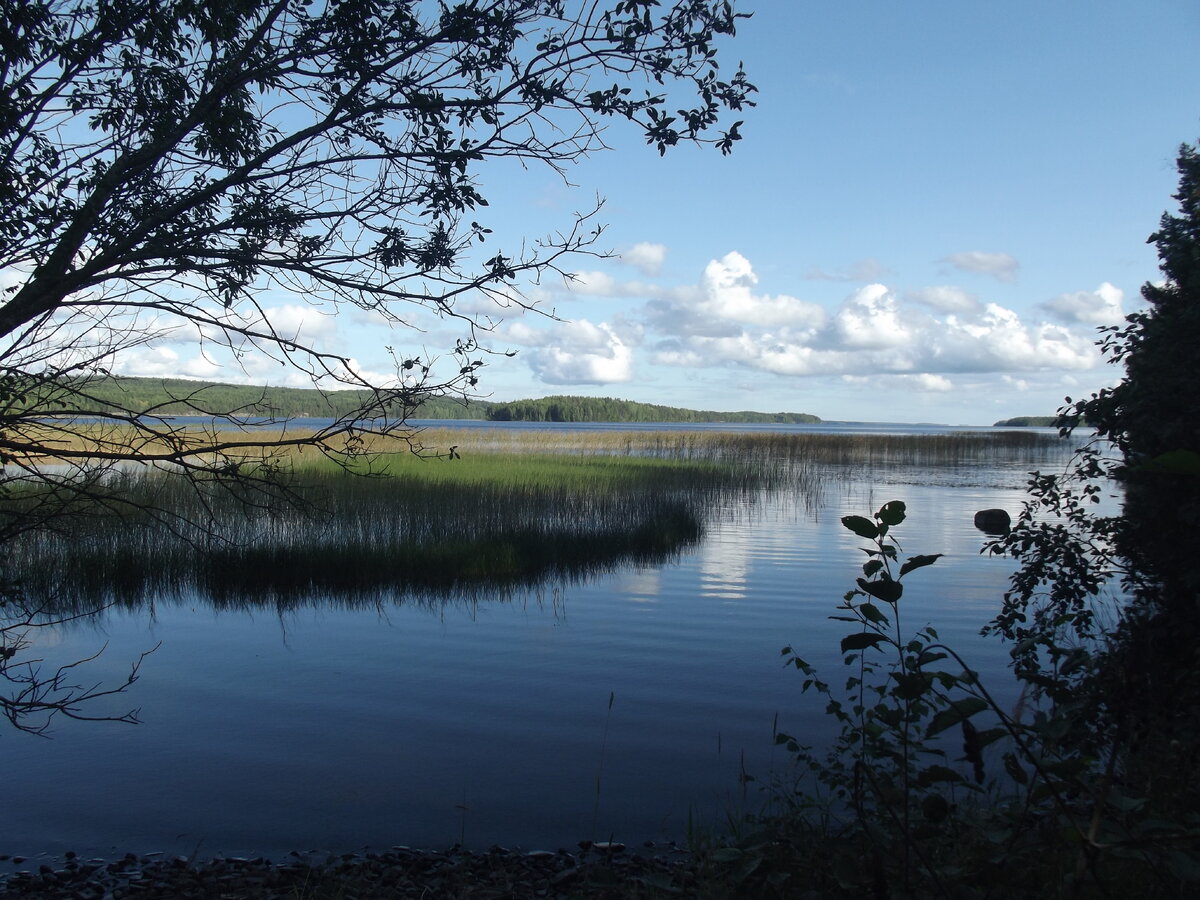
599 871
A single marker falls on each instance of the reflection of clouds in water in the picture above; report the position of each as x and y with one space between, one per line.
641 585
724 565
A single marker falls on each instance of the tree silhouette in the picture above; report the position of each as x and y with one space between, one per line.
168 166
170 169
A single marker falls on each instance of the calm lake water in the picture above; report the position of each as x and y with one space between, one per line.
492 720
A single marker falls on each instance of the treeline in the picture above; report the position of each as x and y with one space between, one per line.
1028 422
608 409
181 397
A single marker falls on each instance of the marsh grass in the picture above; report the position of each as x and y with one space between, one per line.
507 509
411 528
945 447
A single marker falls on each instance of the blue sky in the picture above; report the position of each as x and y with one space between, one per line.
934 206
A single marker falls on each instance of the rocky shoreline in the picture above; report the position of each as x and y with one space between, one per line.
594 871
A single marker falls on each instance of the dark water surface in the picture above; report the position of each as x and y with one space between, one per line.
489 722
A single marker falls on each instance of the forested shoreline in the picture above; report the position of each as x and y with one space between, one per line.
1028 422
181 397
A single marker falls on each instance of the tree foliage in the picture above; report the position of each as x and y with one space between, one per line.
608 409
1134 675
169 166
175 397
171 169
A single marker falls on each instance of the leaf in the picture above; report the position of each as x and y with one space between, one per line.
872 613
871 566
935 808
934 774
882 589
918 562
990 736
861 526
891 513
957 711
861 640
1014 770
910 685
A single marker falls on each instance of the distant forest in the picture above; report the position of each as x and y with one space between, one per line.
180 397
1028 422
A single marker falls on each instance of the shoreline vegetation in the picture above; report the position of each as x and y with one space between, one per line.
1029 422
532 503
179 397
462 514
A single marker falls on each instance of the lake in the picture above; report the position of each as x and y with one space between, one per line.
618 707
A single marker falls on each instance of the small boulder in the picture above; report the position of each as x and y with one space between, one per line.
993 521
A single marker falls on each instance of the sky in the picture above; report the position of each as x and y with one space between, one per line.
934 207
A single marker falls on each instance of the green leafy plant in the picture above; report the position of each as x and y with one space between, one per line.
931 788
889 774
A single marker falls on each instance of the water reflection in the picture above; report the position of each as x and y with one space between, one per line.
387 544
337 704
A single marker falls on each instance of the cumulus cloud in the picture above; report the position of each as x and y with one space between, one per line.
579 353
998 341
1102 306
646 258
871 319
919 340
1001 266
725 302
298 322
945 298
869 269
873 332
166 362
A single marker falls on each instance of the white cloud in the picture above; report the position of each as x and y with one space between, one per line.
932 383
166 362
919 341
998 341
646 258
871 319
1102 306
582 353
945 298
873 332
1001 266
725 302
599 284
297 322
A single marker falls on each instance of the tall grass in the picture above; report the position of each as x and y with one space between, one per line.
413 527
510 508
949 448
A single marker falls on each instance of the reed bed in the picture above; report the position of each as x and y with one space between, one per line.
766 446
859 449
411 528
508 508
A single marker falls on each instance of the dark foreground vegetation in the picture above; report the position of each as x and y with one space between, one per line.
1090 786
599 872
